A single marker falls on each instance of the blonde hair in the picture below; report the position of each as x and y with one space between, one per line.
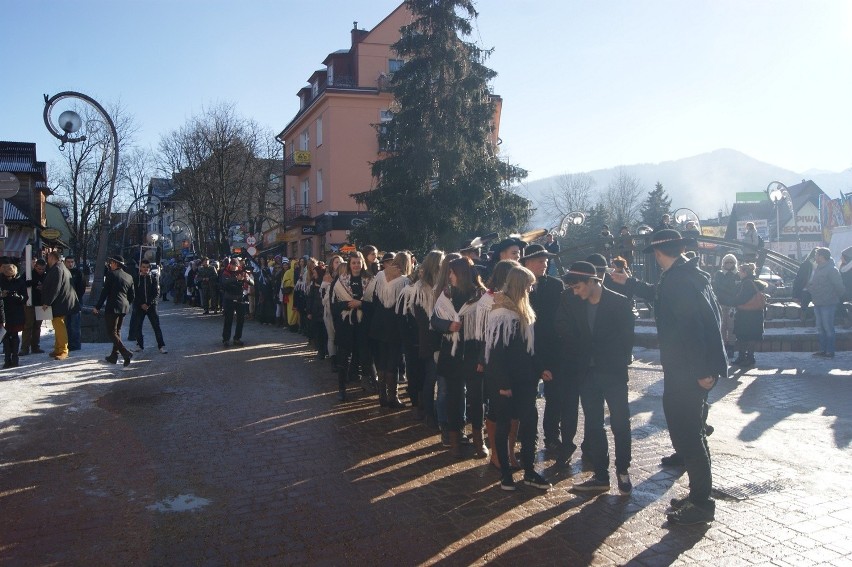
516 296
10 270
430 267
444 273
403 261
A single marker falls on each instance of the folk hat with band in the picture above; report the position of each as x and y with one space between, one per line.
512 240
667 236
117 259
598 261
477 243
388 256
580 271
536 251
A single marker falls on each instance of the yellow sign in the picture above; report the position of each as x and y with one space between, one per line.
302 157
50 233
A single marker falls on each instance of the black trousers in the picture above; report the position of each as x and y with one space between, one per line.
596 390
456 387
550 422
685 416
113 326
230 308
136 325
353 352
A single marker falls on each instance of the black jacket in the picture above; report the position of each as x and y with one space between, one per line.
688 325
147 290
609 345
510 366
725 286
78 282
117 293
58 292
545 301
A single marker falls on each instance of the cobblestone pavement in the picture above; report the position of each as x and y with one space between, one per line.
242 456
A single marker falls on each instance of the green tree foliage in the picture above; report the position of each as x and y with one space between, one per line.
656 205
440 178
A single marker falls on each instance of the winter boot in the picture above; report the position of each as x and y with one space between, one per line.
480 451
383 390
392 389
491 431
455 445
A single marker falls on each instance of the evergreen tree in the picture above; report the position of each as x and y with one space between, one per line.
656 205
440 178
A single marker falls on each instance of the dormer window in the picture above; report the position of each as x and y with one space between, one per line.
314 88
330 73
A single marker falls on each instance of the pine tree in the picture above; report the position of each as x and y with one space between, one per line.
656 205
440 178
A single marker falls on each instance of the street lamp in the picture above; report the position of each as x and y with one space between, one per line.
152 208
683 216
575 218
69 123
178 227
777 192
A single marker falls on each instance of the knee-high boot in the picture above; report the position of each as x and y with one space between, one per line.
480 451
382 388
341 382
392 387
491 431
513 440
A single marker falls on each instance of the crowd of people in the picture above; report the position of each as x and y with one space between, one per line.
470 335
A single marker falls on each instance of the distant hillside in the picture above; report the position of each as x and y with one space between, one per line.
705 183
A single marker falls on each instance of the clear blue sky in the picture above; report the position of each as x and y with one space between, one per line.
586 84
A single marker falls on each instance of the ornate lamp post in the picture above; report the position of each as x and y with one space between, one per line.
575 218
152 208
178 227
69 123
777 192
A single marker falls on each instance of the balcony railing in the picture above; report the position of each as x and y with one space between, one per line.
297 159
296 213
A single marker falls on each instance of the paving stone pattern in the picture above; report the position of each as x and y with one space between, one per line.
243 456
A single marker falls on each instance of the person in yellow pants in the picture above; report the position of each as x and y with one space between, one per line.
58 294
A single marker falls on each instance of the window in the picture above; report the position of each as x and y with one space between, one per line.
306 189
319 131
314 89
305 140
330 75
319 186
395 65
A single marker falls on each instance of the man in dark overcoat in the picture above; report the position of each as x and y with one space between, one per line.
601 349
544 299
693 357
72 319
58 294
117 294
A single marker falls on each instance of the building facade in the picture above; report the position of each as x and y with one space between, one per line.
330 144
24 214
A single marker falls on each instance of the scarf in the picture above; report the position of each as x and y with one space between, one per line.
342 292
483 307
388 292
466 315
420 295
501 327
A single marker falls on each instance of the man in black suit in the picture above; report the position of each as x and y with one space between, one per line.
602 347
544 299
118 295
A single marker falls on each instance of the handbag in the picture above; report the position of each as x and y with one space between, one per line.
756 303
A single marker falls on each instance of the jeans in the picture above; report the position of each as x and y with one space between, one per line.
685 415
825 326
136 325
568 391
430 379
552 412
459 391
72 323
596 390
520 406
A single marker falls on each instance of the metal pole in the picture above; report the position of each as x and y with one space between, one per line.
100 261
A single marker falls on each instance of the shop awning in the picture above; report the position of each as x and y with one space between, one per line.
14 244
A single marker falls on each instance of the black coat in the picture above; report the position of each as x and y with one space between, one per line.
58 291
748 325
13 303
609 345
688 325
544 301
78 282
117 293
726 286
469 350
147 290
510 366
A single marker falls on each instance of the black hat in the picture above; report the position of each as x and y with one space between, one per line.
666 236
536 251
118 259
512 240
388 257
598 261
580 271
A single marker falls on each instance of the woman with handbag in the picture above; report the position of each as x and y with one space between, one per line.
748 320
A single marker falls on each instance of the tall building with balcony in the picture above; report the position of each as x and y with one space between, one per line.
331 142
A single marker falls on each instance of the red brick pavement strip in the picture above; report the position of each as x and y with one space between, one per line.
294 478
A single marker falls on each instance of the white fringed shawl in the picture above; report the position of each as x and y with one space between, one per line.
466 315
417 294
325 293
483 307
387 292
342 292
501 327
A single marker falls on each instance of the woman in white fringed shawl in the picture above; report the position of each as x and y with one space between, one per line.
510 374
459 354
385 326
328 281
416 304
346 307
495 283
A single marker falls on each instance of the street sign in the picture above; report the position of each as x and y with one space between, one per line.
308 230
251 241
50 233
251 250
9 185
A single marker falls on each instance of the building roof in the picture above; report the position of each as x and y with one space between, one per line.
20 157
14 214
